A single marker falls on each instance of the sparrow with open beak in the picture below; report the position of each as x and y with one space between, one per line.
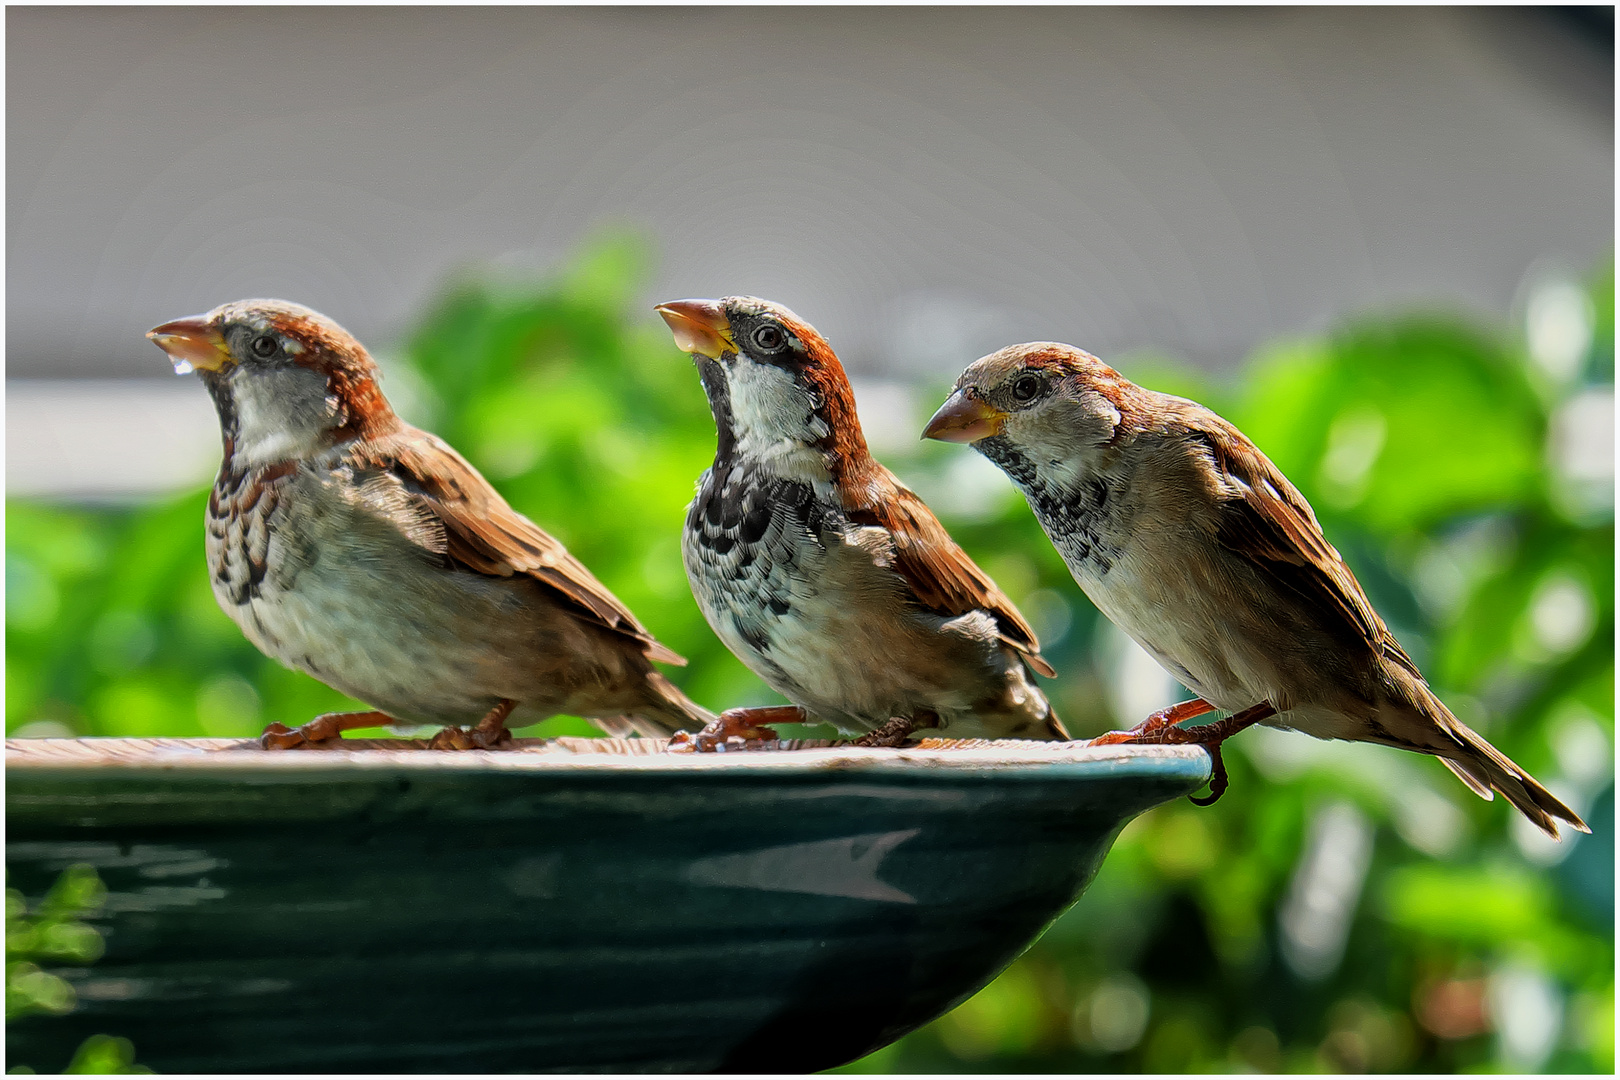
828 577
352 546
1184 535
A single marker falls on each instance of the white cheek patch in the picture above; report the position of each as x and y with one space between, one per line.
1065 443
765 399
262 437
280 415
774 417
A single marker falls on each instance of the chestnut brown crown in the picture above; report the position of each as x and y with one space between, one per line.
1023 381
262 333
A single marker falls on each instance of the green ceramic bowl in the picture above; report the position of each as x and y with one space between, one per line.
580 905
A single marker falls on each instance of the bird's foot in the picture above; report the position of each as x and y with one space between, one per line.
457 738
324 732
1154 728
897 730
737 729
1157 729
1170 717
490 733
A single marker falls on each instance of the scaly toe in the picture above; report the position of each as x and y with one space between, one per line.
278 736
452 738
498 740
891 734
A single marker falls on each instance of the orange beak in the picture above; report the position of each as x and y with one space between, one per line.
700 327
964 418
192 344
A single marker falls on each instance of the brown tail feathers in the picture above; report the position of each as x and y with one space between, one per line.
667 712
1485 769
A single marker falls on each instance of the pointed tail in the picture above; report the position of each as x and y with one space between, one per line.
1485 769
666 712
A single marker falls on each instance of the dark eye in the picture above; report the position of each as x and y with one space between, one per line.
1026 388
769 338
263 346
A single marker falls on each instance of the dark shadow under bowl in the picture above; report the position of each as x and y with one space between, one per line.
579 905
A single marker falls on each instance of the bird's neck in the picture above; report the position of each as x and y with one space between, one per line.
1064 492
783 426
292 413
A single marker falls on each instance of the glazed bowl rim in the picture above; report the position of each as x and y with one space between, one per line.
1006 758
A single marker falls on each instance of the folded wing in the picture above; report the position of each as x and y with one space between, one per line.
457 514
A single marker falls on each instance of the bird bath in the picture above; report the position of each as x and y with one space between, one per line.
577 905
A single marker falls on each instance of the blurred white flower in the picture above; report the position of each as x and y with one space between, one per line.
971 489
1316 915
1527 1010
1427 820
1561 616
1582 747
1115 1015
1558 326
1425 816
42 729
1580 450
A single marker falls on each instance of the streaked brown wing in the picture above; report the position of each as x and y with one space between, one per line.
483 533
940 574
1272 525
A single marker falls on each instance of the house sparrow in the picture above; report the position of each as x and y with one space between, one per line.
347 544
827 576
1182 532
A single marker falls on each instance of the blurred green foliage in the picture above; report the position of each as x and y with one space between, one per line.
1444 457
53 933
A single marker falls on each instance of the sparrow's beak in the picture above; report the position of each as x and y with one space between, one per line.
964 419
700 327
192 344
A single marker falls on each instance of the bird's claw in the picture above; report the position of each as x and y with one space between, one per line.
719 742
490 733
325 732
278 736
736 729
897 731
1217 778
457 738
1161 728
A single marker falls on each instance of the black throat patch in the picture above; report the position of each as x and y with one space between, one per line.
1074 519
713 376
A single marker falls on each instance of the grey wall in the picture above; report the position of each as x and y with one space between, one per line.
922 184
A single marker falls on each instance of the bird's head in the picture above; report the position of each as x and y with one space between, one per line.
286 380
1050 404
774 384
